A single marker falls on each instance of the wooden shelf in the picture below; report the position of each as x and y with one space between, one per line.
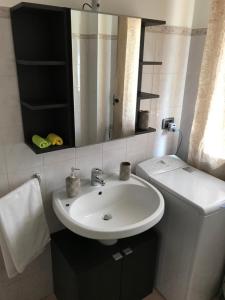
150 129
49 149
142 96
150 63
41 63
39 106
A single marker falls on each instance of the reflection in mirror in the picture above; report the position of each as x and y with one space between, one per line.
105 75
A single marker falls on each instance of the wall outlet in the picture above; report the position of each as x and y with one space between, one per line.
166 121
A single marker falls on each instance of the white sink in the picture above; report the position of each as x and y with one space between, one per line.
107 213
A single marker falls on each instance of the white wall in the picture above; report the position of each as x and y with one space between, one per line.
180 12
201 13
175 12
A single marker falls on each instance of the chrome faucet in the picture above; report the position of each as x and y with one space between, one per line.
96 178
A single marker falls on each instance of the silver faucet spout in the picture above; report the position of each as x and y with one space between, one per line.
96 179
100 180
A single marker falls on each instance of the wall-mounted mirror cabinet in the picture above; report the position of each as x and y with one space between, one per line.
79 74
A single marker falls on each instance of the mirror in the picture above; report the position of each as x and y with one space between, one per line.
105 54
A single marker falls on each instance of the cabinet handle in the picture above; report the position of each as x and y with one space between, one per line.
127 251
117 256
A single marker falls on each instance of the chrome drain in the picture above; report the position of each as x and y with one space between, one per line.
107 217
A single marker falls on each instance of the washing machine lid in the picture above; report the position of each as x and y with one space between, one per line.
197 188
160 165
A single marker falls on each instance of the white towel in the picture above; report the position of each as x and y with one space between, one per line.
24 231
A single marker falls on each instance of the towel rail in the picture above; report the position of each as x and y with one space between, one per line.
37 176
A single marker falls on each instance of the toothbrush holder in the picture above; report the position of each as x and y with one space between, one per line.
125 170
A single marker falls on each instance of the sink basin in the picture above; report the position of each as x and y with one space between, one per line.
107 213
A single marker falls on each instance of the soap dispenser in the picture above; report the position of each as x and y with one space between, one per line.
73 183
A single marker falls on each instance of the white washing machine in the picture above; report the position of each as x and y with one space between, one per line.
192 230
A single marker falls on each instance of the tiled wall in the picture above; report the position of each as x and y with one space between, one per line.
171 46
18 162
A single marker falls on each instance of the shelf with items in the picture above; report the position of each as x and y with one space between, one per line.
44 122
42 42
140 94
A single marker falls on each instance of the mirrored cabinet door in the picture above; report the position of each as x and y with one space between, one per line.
105 54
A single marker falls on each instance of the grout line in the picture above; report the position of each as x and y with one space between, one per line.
102 155
126 149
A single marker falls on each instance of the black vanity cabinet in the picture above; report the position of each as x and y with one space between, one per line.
83 269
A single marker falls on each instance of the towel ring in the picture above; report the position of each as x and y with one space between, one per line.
37 176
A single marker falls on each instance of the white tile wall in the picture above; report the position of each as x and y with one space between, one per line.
113 153
87 158
167 80
18 163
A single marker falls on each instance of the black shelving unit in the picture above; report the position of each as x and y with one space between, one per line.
141 95
42 42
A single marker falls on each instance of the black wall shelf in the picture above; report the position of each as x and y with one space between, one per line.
36 106
150 63
150 129
152 22
42 42
40 63
49 149
140 94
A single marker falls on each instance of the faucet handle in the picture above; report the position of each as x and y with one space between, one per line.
97 171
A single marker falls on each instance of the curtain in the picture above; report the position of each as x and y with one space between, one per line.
128 47
207 140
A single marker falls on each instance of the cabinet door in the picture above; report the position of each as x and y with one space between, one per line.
102 281
138 268
84 269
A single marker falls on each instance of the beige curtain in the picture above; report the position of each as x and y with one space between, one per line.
207 140
129 32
